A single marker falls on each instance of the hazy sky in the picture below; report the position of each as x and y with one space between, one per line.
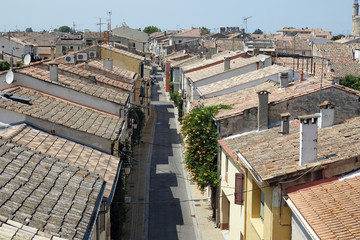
269 16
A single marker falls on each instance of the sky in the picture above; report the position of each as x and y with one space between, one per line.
269 16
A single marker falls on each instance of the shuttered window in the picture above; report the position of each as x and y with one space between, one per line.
239 178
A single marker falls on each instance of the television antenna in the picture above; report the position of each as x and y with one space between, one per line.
109 24
9 79
27 59
245 21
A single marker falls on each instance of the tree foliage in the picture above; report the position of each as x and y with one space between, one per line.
351 82
4 66
65 29
200 135
337 37
29 29
205 30
258 31
151 29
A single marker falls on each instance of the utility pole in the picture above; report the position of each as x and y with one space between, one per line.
100 23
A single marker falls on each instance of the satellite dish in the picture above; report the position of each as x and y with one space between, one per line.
262 58
27 59
9 77
246 49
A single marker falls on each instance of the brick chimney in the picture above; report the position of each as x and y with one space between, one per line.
263 110
108 64
327 114
308 138
284 79
226 63
53 68
285 122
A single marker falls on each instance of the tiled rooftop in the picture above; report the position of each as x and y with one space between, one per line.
78 85
215 58
272 154
103 164
241 79
219 68
121 72
101 78
336 52
46 194
331 208
248 98
10 229
195 32
59 111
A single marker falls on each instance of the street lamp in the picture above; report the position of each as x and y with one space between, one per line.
127 168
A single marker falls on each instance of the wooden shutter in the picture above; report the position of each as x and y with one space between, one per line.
239 178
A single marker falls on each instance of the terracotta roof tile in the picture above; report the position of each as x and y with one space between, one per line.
41 194
78 85
272 154
331 207
59 111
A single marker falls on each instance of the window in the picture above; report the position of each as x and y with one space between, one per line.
102 217
71 47
262 201
239 179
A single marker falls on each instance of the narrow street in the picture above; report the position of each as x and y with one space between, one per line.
171 214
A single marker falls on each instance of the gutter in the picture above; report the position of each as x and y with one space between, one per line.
95 213
250 169
302 220
113 189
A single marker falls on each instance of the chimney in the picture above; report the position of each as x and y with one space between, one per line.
285 123
284 80
208 55
108 64
327 114
308 138
226 63
53 67
263 110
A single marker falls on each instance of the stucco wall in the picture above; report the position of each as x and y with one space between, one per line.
236 218
121 60
11 117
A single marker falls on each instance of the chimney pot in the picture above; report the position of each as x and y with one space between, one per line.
308 138
285 123
227 63
108 64
53 67
263 110
284 80
327 114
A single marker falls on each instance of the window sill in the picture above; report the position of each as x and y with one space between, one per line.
258 225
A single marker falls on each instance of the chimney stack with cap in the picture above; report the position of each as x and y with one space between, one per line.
53 67
263 110
308 138
285 123
284 80
227 63
108 64
327 114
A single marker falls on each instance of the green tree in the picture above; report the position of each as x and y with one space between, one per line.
351 82
205 30
258 31
4 66
151 29
65 29
201 135
29 29
337 37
